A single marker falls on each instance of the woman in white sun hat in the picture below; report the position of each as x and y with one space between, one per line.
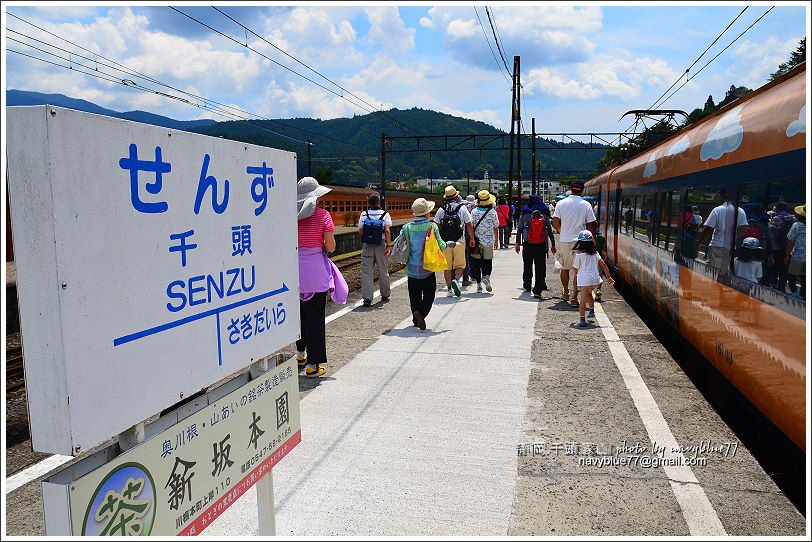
317 275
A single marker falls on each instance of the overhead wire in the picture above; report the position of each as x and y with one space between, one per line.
484 33
658 102
132 84
718 54
688 69
244 27
496 39
129 71
340 95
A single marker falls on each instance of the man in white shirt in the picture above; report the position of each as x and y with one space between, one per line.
572 215
373 255
717 226
455 256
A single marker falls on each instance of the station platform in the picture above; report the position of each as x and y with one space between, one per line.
497 420
501 418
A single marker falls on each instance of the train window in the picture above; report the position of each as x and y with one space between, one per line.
770 211
627 214
659 222
676 221
644 220
721 223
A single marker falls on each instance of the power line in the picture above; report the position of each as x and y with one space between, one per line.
129 71
498 66
308 67
718 54
281 65
496 39
131 84
652 106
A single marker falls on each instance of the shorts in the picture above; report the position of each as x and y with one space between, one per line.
455 257
718 257
565 255
484 252
796 268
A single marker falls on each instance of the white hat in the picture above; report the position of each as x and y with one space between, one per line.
308 190
421 207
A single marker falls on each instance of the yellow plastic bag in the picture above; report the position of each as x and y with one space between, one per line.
433 257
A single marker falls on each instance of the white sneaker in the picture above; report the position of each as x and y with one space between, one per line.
487 281
478 287
449 293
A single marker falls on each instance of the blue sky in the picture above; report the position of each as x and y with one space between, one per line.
583 65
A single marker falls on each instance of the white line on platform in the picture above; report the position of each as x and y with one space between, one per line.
49 463
35 471
697 510
357 304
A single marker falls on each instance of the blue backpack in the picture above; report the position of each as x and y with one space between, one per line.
372 232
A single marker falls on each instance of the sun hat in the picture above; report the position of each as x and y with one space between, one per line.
801 210
483 197
421 207
585 235
470 198
308 190
750 242
450 192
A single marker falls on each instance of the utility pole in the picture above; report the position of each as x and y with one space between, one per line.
512 134
517 70
309 157
533 159
383 170
468 186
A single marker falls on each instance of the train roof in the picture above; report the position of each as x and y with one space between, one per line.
770 120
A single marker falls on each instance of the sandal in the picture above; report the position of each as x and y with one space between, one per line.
314 373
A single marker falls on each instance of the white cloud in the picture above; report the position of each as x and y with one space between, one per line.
651 165
540 35
754 62
385 69
602 76
799 125
387 28
679 146
725 137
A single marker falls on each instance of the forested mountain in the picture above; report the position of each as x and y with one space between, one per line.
348 150
351 147
24 97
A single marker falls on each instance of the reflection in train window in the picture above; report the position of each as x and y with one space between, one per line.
627 214
770 211
675 221
658 222
645 216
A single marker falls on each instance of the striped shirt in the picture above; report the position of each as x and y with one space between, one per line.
312 228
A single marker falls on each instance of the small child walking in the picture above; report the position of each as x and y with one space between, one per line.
587 265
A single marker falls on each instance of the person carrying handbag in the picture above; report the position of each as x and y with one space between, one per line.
422 283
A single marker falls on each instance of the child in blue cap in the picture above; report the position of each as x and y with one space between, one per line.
587 265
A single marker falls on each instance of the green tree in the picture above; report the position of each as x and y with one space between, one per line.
795 57
709 105
324 175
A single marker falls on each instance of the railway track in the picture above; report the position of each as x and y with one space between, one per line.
14 368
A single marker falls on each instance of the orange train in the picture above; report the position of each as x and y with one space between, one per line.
742 160
345 203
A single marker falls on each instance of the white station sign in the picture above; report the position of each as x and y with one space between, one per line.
151 263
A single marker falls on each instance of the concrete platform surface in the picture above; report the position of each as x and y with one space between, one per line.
486 423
